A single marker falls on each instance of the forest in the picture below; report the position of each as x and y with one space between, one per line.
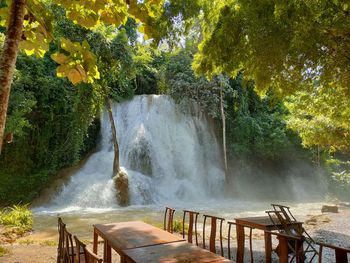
273 75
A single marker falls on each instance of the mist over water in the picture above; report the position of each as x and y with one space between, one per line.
169 151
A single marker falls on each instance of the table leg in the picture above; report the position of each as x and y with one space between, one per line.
95 242
109 253
283 249
341 256
240 243
268 247
104 251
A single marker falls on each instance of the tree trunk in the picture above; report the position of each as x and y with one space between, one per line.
116 164
120 178
223 118
8 59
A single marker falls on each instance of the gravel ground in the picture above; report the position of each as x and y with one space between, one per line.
328 228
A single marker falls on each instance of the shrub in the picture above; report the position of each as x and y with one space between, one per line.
3 251
17 216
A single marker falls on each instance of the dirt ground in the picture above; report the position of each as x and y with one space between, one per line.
329 227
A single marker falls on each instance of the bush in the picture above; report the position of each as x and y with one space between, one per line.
3 251
17 216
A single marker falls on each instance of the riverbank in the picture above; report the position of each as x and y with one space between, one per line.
328 227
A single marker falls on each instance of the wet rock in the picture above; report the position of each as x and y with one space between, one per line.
140 157
344 204
121 183
329 208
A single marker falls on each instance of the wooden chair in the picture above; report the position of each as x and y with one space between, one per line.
341 254
60 249
169 219
285 213
286 224
288 243
68 247
88 256
230 224
192 221
66 250
212 238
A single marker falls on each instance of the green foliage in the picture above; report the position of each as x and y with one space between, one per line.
255 126
178 226
50 127
339 181
294 47
321 117
271 40
17 216
148 65
3 251
21 105
176 21
76 61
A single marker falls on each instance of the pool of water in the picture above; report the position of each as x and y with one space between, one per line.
80 221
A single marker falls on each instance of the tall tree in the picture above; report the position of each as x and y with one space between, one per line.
289 46
9 57
35 19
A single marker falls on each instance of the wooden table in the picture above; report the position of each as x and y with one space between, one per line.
262 223
175 252
129 235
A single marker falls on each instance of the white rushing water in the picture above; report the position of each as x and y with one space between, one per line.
169 151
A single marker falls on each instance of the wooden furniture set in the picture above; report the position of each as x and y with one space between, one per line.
137 241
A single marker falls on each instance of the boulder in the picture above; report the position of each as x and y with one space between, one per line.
329 208
121 183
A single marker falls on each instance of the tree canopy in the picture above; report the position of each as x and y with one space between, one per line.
296 47
283 44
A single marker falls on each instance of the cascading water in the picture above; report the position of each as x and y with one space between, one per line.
169 151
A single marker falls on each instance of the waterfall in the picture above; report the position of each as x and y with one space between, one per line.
168 150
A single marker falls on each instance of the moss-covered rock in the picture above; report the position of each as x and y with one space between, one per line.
121 183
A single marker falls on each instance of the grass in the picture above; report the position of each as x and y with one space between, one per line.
3 251
177 224
18 216
26 242
49 242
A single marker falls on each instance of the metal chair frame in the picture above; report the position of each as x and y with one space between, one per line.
193 218
212 239
250 239
169 219
282 216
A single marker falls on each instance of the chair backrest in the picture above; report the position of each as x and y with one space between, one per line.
65 250
60 249
78 247
230 224
169 219
192 221
89 256
285 210
282 223
341 254
68 246
213 226
288 225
